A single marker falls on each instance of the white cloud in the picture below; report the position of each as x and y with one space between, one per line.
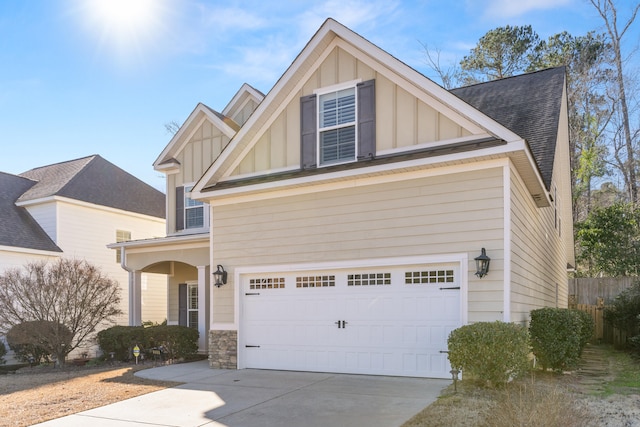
515 8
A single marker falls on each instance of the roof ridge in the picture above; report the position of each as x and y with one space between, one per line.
58 164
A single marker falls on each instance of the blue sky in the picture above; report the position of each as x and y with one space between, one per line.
77 79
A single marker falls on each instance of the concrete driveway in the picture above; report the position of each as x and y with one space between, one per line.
254 398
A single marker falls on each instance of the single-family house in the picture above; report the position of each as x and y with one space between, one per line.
347 208
74 209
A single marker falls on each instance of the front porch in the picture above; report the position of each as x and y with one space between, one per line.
184 260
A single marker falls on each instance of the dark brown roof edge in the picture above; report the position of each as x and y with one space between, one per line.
458 147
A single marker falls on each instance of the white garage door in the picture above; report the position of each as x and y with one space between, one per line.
392 321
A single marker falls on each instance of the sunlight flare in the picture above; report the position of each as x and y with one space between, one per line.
128 28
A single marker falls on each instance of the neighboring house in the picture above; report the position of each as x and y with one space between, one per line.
74 209
348 205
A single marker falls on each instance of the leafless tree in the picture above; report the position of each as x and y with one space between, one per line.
449 76
609 13
67 292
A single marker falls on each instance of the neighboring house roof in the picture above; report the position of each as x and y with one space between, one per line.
94 180
529 105
17 227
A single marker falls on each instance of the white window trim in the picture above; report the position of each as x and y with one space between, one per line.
190 286
353 84
205 211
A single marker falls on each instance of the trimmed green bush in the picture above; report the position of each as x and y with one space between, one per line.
120 340
177 342
493 352
556 337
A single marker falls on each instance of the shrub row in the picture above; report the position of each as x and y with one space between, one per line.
176 342
558 336
495 352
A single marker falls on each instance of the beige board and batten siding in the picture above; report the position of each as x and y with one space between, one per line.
242 114
203 147
452 213
403 120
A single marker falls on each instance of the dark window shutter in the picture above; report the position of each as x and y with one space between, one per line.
179 208
308 132
182 304
366 120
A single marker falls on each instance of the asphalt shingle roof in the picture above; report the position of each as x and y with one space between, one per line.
89 179
17 227
95 180
529 105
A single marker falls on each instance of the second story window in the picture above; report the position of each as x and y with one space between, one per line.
121 236
190 214
193 211
337 126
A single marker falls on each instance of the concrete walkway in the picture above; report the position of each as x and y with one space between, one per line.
254 398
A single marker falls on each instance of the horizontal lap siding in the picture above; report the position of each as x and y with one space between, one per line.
84 232
538 258
457 213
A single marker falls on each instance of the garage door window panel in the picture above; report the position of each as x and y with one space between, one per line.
315 281
267 283
429 277
369 279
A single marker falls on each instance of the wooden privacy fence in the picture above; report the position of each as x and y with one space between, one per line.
591 296
587 290
603 332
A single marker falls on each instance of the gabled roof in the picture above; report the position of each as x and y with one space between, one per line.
94 180
298 72
166 160
529 105
245 92
18 228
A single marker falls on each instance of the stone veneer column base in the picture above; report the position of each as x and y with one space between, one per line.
223 349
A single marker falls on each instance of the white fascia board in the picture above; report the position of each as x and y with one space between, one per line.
28 251
181 137
75 202
422 85
161 241
349 178
244 89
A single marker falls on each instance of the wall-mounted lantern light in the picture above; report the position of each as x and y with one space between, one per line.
220 276
482 264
